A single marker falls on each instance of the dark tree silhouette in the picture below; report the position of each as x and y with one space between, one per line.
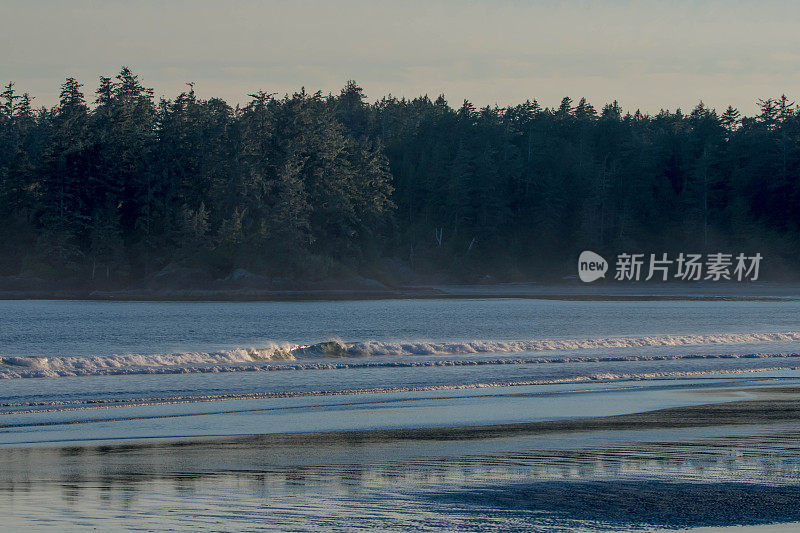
304 184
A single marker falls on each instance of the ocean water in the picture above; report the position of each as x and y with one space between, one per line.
278 349
109 413
311 365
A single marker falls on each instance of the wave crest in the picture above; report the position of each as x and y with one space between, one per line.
244 359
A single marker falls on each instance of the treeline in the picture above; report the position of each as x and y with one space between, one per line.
117 185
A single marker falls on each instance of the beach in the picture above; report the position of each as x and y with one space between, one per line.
448 414
731 462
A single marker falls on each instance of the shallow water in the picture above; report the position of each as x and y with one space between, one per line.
622 481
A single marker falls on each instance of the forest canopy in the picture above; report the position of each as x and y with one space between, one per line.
116 185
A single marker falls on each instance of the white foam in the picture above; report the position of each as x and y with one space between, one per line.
101 403
253 359
436 348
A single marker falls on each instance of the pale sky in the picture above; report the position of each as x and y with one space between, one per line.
645 54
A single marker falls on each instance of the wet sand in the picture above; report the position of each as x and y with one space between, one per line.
714 465
771 406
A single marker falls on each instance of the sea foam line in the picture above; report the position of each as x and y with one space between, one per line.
109 403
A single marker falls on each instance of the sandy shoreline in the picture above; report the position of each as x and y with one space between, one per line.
577 292
771 406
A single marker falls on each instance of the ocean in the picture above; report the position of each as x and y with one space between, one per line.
458 414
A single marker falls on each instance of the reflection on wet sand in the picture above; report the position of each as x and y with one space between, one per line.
721 464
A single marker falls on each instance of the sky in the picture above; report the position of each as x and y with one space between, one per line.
647 55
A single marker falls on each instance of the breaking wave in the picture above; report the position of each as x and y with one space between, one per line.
254 359
455 348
